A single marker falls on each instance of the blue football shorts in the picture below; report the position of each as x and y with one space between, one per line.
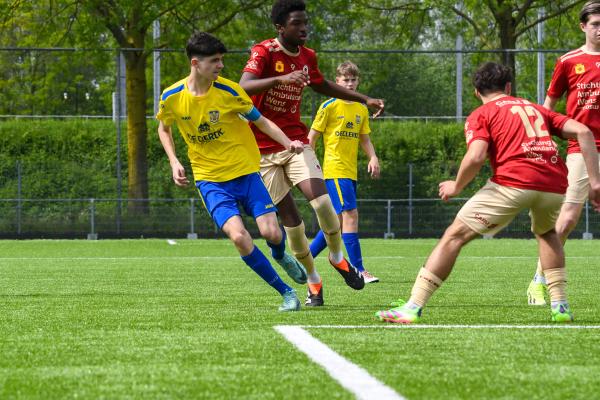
342 192
223 199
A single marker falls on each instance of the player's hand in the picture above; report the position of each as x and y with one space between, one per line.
298 78
595 196
296 146
179 174
448 189
377 104
373 168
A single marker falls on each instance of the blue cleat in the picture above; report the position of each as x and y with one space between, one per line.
290 302
293 268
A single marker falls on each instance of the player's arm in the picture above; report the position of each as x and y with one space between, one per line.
367 146
576 130
550 103
469 168
252 84
269 128
313 136
332 89
166 138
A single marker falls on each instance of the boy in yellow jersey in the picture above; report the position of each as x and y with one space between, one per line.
344 125
224 156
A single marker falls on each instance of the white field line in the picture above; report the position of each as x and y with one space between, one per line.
352 377
418 326
236 257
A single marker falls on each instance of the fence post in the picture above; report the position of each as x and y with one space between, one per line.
118 122
19 200
587 235
410 199
389 234
192 234
92 235
459 78
540 60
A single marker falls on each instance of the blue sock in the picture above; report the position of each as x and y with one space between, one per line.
277 250
353 248
259 264
318 244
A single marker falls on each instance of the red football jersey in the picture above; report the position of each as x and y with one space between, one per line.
281 103
578 74
521 151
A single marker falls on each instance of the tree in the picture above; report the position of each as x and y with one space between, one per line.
129 22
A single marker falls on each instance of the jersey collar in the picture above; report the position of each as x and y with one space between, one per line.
286 51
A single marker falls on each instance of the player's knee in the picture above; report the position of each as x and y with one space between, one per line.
272 233
241 239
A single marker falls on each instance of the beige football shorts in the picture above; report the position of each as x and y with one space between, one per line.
494 206
283 170
579 187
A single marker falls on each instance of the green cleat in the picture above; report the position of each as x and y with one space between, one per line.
562 313
290 302
293 268
400 315
397 303
536 294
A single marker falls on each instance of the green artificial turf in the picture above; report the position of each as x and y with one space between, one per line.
142 319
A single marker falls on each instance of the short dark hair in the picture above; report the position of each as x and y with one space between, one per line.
589 8
491 77
282 9
204 44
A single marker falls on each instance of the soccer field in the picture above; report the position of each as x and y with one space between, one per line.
145 319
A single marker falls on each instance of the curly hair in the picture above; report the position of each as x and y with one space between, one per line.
282 8
491 77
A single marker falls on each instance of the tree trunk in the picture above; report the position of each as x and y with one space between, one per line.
137 165
508 40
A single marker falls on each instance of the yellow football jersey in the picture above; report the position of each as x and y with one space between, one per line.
341 123
221 145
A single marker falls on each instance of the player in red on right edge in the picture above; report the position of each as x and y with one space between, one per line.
578 74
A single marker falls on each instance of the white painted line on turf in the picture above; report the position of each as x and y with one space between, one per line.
171 242
349 375
403 326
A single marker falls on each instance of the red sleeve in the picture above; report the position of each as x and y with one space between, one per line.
556 122
559 83
476 128
259 59
316 77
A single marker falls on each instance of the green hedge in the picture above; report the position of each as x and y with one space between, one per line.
77 159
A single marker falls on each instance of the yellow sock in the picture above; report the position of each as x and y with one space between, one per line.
556 278
299 246
329 223
425 284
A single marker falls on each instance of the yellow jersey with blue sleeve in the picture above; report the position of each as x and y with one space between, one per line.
341 124
221 145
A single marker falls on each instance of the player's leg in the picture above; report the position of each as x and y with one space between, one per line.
544 212
295 230
570 212
319 243
257 202
305 172
346 190
273 175
431 276
487 212
220 201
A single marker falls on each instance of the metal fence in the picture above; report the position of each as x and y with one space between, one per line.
181 218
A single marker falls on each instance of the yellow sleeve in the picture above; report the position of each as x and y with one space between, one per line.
365 128
165 114
320 122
